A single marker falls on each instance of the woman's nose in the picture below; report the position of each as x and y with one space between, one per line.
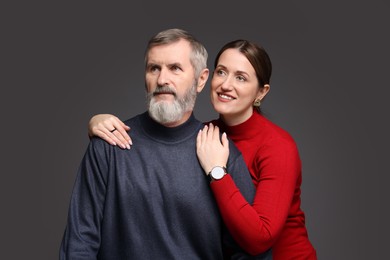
227 84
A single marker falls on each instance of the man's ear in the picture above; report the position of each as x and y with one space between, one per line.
204 75
263 92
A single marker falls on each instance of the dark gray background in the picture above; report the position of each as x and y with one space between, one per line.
62 63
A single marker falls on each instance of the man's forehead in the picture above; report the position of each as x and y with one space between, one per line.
177 52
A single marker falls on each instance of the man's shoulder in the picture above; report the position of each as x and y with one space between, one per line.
98 145
133 120
233 150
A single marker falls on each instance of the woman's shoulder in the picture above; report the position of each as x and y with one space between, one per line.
276 133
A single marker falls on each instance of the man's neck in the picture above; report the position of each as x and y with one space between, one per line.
183 119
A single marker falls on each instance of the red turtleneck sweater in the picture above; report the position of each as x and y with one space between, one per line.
275 218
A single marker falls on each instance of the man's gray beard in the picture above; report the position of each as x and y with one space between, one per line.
166 112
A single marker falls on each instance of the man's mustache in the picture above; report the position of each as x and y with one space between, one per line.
164 90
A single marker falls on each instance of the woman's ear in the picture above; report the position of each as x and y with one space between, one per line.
263 92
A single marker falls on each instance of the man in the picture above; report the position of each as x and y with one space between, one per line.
153 201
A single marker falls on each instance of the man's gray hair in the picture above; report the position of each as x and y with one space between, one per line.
199 54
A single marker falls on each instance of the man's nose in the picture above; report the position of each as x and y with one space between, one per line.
163 77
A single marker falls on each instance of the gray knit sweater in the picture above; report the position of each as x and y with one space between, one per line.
150 202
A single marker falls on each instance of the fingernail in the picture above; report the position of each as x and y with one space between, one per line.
128 146
130 142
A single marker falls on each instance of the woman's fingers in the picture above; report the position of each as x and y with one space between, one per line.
211 150
111 129
115 129
225 141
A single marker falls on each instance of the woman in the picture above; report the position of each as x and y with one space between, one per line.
239 84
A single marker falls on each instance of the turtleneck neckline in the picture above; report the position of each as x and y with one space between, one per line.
163 133
244 130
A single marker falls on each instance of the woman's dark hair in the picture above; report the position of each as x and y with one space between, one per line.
255 54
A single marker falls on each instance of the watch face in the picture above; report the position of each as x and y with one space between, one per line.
217 173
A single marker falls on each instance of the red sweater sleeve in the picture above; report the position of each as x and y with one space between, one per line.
275 171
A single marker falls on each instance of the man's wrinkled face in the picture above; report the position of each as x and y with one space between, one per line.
170 83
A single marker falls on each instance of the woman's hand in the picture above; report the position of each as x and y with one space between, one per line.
111 129
209 148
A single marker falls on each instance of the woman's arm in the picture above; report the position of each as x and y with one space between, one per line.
255 227
111 129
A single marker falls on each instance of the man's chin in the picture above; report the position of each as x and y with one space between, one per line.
168 98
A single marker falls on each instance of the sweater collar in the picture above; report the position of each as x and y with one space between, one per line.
162 133
245 130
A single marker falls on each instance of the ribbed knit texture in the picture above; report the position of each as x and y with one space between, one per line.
275 219
150 202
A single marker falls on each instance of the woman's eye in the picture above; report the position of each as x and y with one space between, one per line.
241 78
220 72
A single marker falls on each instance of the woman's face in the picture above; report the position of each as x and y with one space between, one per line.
234 87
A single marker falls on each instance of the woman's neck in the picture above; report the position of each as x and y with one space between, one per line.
232 120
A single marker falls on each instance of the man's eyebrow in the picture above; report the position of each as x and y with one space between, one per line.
178 64
152 64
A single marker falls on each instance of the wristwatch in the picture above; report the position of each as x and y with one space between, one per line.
217 173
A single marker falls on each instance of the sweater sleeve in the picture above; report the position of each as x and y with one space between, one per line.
256 227
81 239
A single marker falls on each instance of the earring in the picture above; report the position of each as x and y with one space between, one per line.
257 103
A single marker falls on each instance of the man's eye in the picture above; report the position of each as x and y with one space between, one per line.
153 68
176 68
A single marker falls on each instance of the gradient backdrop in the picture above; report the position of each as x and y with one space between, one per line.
63 63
